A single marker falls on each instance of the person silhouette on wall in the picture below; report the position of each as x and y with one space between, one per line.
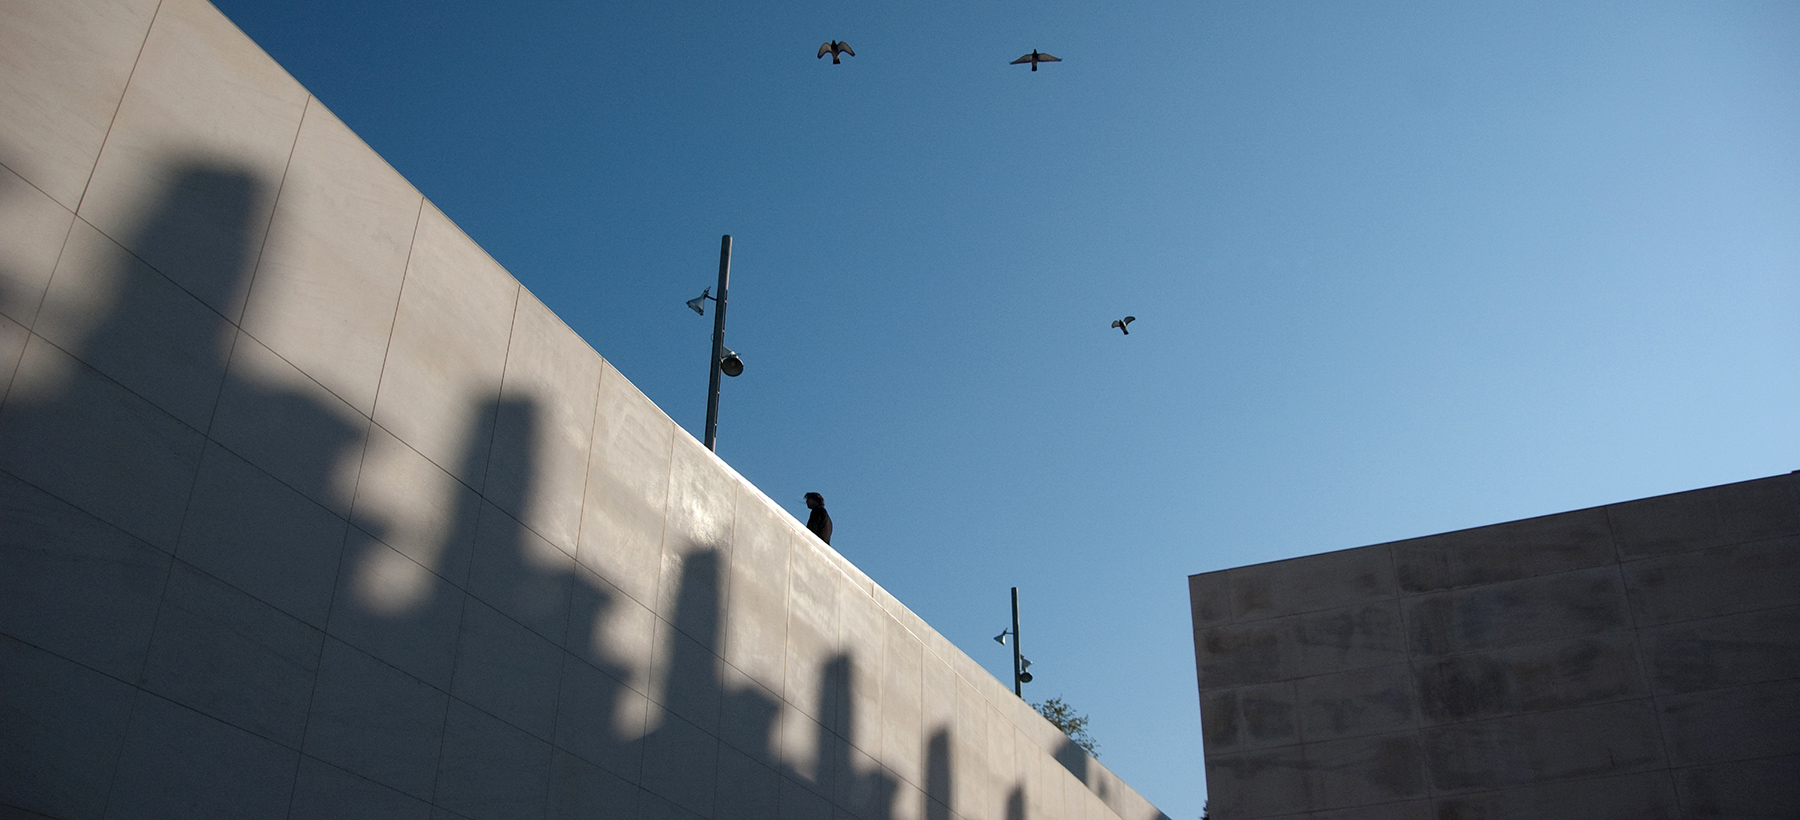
820 520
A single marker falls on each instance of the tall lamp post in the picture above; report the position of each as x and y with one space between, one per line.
723 359
1020 662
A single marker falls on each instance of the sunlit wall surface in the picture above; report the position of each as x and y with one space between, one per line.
308 509
1638 661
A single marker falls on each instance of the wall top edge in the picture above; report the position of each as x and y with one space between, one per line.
1795 475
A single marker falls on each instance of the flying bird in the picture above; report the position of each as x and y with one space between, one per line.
1036 57
1121 324
834 48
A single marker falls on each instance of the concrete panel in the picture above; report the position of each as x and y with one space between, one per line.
1753 647
686 679
416 507
507 671
1301 645
1713 517
491 770
13 337
33 228
653 807
1572 604
1531 678
325 792
702 499
747 790
227 655
801 803
748 715
1356 703
1614 738
938 705
260 536
805 750
1250 717
376 721
398 611
201 89
591 705
681 765
1366 770
180 763
1260 783
580 791
1329 581
329 277
862 787
522 575
136 327
1767 788
1714 582
862 636
1743 723
610 630
755 623
61 726
968 753
75 586
812 633
1405 810
627 489
81 437
1209 596
273 416
448 349
63 68
1505 552
902 707
540 460
1642 796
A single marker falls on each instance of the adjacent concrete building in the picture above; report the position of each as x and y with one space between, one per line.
1634 661
309 509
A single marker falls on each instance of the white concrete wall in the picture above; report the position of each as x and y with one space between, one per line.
309 509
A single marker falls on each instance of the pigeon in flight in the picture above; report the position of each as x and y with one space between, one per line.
1121 324
1036 57
834 48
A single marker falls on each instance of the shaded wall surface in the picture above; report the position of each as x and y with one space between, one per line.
1634 661
308 509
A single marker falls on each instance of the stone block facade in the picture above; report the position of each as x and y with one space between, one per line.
1634 661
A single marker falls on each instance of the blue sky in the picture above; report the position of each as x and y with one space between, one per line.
1398 269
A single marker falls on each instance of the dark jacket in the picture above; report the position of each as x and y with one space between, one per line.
820 524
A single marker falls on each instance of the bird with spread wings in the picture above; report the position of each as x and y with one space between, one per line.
1121 324
1036 57
834 48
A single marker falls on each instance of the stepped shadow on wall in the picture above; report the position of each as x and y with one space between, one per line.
181 516
172 521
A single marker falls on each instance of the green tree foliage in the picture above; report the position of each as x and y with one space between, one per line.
1062 716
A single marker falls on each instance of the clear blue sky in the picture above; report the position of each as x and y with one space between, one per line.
1398 269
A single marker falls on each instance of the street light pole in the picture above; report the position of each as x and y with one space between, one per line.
718 345
1017 688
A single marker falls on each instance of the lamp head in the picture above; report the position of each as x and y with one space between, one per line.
698 303
730 364
1001 638
1024 663
1024 677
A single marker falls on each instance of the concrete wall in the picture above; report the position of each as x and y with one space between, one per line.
1635 661
308 509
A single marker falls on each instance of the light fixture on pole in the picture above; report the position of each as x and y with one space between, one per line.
1001 638
724 360
1020 676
